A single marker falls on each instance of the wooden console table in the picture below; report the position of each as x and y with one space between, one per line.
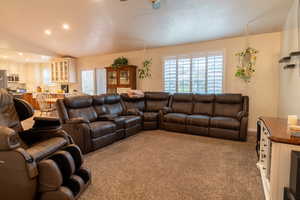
276 145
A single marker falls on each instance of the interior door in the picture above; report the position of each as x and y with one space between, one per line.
88 85
100 81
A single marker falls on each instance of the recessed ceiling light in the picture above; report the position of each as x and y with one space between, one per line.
48 32
66 26
4 57
20 54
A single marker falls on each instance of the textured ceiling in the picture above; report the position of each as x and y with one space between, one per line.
106 26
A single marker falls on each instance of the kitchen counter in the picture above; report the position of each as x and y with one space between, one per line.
278 129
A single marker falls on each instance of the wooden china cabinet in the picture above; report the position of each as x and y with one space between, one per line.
121 78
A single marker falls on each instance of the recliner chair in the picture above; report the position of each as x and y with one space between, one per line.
39 163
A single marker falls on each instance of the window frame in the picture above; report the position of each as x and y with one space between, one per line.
194 55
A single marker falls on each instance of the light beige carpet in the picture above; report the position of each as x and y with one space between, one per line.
161 165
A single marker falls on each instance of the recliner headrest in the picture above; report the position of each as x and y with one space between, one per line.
78 101
24 109
204 98
98 99
229 98
184 97
112 99
157 95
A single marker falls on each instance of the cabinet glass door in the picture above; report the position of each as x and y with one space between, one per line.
112 77
124 77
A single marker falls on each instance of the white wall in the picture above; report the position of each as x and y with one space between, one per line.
29 73
263 90
289 96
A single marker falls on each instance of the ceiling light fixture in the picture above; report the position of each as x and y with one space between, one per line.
20 54
4 57
155 4
48 32
66 26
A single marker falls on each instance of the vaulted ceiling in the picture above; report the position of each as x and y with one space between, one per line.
106 26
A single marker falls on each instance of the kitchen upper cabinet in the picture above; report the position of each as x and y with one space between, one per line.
63 70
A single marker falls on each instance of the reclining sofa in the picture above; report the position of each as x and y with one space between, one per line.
96 121
223 116
39 163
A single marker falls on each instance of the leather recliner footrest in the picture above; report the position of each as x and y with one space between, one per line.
65 163
50 177
85 174
75 184
76 155
63 193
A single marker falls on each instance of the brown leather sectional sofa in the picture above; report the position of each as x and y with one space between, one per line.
96 121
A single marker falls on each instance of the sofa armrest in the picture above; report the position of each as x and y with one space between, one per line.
81 134
32 136
107 117
241 114
134 111
244 129
9 139
166 110
46 123
77 120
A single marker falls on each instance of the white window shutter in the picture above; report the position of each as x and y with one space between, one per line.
197 74
214 74
170 75
184 75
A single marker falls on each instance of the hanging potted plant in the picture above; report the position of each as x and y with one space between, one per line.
247 62
144 72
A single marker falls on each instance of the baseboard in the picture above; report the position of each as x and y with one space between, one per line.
252 131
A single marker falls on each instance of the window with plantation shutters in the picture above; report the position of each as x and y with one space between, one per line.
198 74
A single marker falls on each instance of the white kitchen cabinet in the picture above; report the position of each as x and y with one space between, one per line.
276 145
63 70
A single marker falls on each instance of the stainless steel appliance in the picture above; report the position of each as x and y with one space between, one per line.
3 79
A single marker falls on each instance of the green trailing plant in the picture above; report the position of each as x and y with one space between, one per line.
119 62
247 62
144 72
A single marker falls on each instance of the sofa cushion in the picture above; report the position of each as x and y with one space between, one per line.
225 122
87 113
175 118
198 120
150 116
155 101
101 128
203 104
182 103
229 98
78 101
133 102
228 105
120 122
113 104
132 120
